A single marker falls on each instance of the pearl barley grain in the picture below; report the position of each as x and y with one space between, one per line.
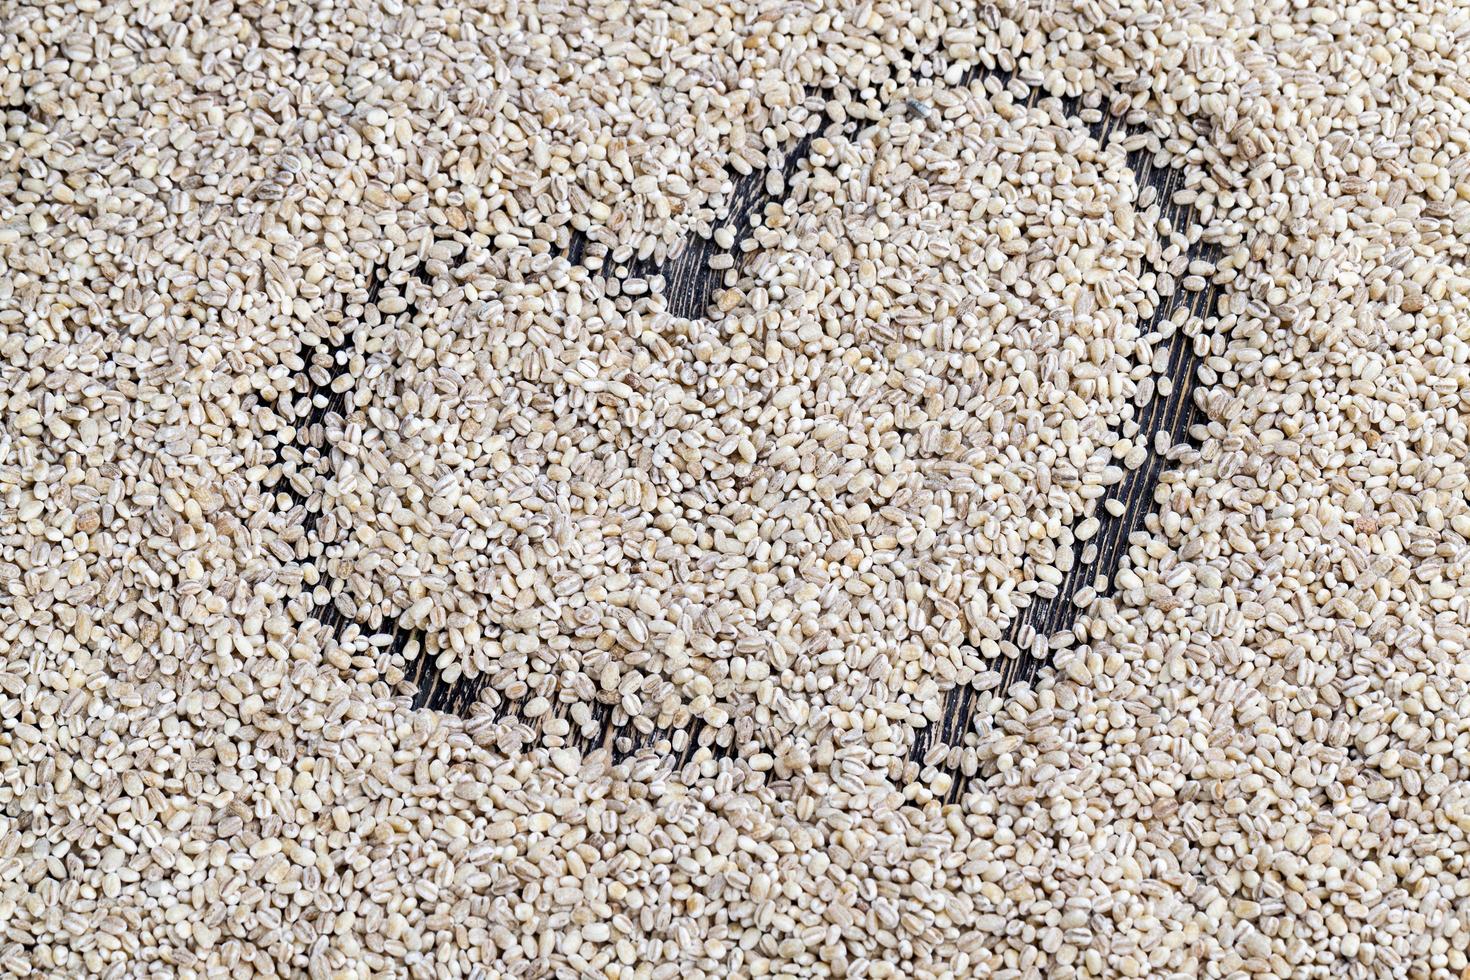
315 316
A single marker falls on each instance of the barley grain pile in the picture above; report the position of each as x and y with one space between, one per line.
311 312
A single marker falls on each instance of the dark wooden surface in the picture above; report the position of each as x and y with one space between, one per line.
688 285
